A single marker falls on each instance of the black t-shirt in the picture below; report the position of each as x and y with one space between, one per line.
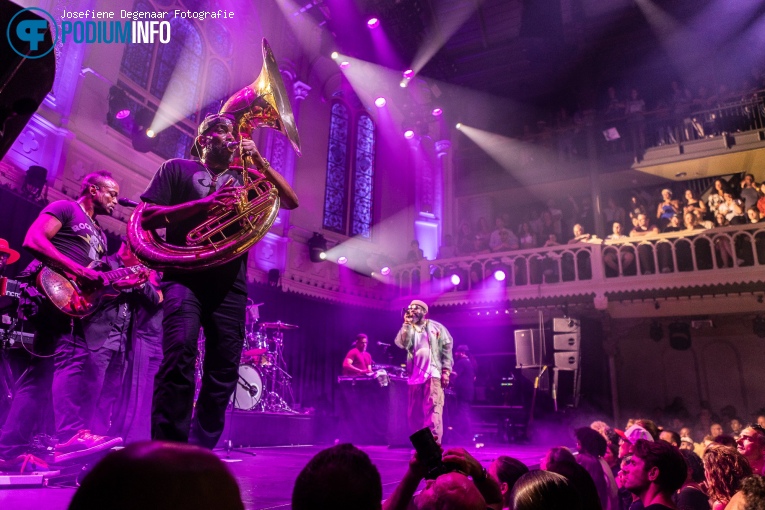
691 498
179 181
80 238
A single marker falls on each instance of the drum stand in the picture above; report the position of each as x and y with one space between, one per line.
279 381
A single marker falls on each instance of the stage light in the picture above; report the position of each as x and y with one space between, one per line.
409 134
385 271
345 64
403 83
380 102
118 103
342 260
455 279
150 133
317 247
499 275
142 142
335 55
437 112
408 74
459 125
373 22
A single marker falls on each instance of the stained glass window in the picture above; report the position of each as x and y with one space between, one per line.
363 178
350 173
336 192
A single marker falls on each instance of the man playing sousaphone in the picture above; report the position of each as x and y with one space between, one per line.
181 195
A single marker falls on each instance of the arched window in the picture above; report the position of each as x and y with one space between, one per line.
189 76
348 198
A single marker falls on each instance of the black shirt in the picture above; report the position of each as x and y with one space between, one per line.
179 181
80 238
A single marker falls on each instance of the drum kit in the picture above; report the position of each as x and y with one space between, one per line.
264 383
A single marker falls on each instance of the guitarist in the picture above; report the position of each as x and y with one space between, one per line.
65 235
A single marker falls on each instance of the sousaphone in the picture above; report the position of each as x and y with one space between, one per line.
235 227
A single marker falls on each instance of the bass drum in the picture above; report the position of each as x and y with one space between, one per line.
249 388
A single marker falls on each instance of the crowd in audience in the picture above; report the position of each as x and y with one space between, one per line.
716 462
737 200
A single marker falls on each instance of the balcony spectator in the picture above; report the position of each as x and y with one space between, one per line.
415 253
483 233
556 215
749 192
667 208
447 250
723 246
582 257
549 263
645 251
502 238
673 225
754 215
526 238
736 215
694 205
614 213
626 253
467 242
717 196
636 206
761 200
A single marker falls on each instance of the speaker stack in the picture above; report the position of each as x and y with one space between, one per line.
567 343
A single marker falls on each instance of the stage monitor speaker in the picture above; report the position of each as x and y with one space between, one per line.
567 341
24 81
527 349
565 325
566 360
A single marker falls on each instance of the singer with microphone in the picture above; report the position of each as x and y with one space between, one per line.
428 346
358 362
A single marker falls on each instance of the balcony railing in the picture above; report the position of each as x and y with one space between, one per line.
690 258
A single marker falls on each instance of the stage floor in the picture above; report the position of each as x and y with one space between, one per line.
266 478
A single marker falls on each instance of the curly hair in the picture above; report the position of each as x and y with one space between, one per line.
724 468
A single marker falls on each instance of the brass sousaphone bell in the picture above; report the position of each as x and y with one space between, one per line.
235 227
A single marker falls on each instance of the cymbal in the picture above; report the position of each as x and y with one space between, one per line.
255 352
278 325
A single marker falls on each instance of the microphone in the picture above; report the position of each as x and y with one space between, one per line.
381 344
232 146
126 202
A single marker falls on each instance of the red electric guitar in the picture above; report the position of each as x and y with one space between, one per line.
63 290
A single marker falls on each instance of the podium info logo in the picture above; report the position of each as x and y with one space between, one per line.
26 32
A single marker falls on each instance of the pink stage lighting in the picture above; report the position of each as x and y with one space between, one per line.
409 134
409 74
123 114
455 279
380 102
437 112
342 260
345 64
385 271
499 275
373 22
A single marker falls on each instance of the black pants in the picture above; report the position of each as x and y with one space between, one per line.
221 315
57 370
